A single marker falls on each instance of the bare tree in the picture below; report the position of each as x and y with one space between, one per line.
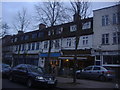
79 8
4 26
50 13
22 20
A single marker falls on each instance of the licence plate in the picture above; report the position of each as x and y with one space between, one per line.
51 82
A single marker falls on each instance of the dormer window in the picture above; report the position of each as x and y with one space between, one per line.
26 37
34 35
49 33
52 31
73 28
86 25
59 30
40 34
15 39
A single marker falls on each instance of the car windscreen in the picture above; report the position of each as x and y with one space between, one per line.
5 66
35 69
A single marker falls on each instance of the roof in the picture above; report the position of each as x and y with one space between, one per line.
107 7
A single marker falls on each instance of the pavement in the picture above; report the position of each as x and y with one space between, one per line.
82 83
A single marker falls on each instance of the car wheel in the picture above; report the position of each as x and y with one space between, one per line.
11 78
29 83
77 76
102 78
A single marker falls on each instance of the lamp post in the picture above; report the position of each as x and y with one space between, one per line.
100 53
25 56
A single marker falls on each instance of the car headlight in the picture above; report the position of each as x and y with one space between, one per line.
39 77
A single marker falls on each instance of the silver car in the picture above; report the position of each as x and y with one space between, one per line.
96 72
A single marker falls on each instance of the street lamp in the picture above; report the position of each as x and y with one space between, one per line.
100 54
25 56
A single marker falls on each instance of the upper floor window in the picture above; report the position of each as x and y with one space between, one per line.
105 20
19 47
16 48
34 35
116 18
86 25
45 44
23 47
33 46
59 30
52 43
85 40
57 45
73 28
37 46
105 38
29 46
69 42
116 38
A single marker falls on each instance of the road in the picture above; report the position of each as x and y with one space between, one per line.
63 84
6 85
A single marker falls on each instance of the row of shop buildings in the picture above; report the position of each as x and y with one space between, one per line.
99 42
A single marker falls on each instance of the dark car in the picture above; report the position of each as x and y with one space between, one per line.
32 75
96 72
5 70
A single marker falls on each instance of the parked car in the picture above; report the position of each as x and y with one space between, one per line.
5 70
96 72
32 75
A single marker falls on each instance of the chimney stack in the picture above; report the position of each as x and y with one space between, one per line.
76 17
20 32
42 26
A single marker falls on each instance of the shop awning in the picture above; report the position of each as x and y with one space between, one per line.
51 54
83 58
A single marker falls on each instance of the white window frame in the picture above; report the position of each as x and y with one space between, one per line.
57 43
85 40
105 20
73 28
86 25
69 42
105 38
45 44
